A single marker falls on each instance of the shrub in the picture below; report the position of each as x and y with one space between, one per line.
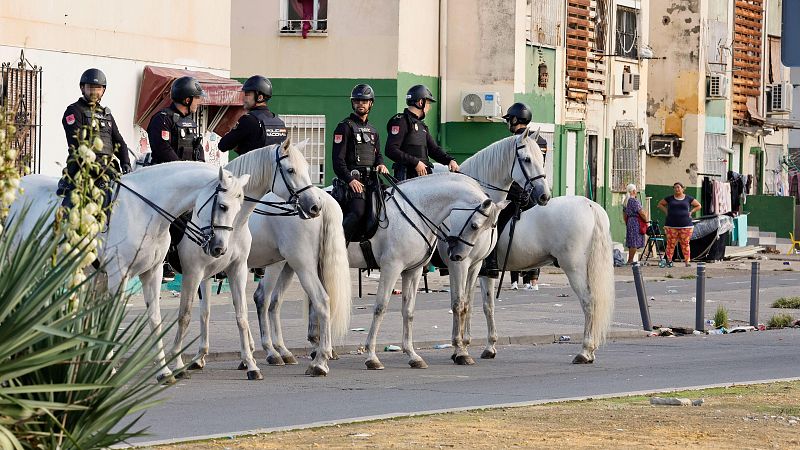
721 317
787 302
780 321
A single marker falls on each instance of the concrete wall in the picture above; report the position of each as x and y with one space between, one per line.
362 41
66 38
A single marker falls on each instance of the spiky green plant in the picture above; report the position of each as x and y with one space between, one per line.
787 302
780 321
721 317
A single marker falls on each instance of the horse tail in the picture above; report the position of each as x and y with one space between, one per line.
334 268
601 276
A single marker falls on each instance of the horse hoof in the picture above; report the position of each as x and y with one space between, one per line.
374 364
334 355
274 360
464 360
166 379
289 359
580 358
195 366
488 354
453 357
313 354
242 366
316 371
418 364
254 375
182 375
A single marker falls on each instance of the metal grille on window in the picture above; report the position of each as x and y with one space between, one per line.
715 159
627 166
313 129
21 93
546 22
627 33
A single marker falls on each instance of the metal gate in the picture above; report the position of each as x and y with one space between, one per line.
21 94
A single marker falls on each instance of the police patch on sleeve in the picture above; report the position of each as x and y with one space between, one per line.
70 119
337 138
165 135
395 129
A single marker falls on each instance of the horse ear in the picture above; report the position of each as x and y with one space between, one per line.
526 133
486 203
285 146
244 179
502 205
220 174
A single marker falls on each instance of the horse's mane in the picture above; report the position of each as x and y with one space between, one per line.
483 164
254 163
460 178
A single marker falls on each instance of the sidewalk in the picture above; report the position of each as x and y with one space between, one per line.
522 317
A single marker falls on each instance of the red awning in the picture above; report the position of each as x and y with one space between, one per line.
222 92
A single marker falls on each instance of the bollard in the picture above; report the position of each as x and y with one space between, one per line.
699 322
754 282
641 294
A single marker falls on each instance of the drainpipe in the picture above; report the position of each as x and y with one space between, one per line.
443 72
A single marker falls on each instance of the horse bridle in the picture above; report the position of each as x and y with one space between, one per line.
208 236
529 180
453 240
294 195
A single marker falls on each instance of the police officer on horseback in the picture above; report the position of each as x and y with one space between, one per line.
357 158
409 143
87 112
517 118
260 126
173 134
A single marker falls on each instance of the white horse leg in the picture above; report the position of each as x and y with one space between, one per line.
275 302
389 276
237 279
189 285
319 320
458 303
469 293
410 283
151 290
488 292
259 297
578 280
199 361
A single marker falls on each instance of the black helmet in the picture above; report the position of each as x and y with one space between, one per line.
93 76
519 111
417 93
185 87
362 92
258 84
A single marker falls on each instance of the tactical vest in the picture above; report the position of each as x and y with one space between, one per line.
274 130
182 136
364 150
415 141
101 123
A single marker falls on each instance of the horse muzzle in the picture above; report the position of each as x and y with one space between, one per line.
216 247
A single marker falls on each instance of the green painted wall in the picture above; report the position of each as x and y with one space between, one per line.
331 97
464 139
770 213
541 100
659 192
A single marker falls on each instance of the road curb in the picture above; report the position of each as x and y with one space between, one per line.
534 339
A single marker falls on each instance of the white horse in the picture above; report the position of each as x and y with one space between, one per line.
573 233
515 158
137 237
281 168
316 251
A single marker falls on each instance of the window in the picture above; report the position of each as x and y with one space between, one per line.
20 92
546 22
627 166
627 33
313 129
715 159
304 17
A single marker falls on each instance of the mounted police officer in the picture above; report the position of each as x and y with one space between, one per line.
409 143
517 117
174 136
172 132
357 158
260 126
87 112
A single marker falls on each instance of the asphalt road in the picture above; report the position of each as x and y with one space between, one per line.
217 401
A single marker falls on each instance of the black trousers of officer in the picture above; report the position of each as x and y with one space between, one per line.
356 210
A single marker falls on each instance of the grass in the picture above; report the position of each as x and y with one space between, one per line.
721 317
780 321
689 277
669 275
787 302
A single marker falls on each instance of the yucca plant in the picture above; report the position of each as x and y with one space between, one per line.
71 370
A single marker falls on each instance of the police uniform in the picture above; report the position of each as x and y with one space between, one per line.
409 141
356 146
258 128
174 137
103 125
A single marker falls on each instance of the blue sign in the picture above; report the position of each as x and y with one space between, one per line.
488 97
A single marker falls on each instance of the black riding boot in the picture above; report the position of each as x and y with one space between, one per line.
489 268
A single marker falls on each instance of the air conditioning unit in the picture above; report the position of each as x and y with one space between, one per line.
630 82
480 104
780 100
716 85
665 145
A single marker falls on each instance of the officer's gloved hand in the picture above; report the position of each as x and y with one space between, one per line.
126 168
